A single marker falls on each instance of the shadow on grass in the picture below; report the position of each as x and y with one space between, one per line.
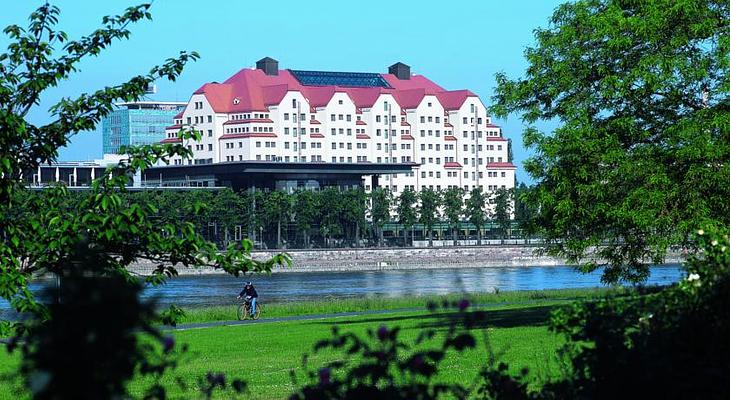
510 318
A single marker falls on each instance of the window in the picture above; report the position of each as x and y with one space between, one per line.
286 116
339 101
349 117
210 133
333 118
210 147
340 117
293 103
286 131
377 118
504 174
334 146
423 119
258 144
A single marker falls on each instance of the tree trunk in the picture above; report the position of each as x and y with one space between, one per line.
456 236
381 240
357 234
479 236
278 234
430 237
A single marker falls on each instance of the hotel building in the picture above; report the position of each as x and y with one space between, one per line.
312 117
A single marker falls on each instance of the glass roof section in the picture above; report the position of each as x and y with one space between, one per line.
347 79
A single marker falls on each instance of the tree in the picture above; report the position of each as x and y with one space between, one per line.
641 157
278 209
524 211
354 211
407 212
503 210
453 209
91 246
331 224
306 212
475 210
380 201
428 210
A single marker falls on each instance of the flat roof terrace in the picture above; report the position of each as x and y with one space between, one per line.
267 174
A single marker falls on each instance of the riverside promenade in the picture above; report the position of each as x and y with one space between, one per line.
379 259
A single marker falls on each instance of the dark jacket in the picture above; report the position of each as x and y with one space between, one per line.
249 291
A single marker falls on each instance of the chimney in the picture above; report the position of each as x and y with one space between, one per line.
268 65
400 70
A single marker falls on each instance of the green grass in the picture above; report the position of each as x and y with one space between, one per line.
226 313
264 354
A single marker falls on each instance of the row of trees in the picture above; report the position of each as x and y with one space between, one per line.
332 216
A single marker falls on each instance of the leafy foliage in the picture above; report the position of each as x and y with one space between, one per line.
87 246
476 211
641 157
667 343
380 204
428 211
406 210
503 209
453 208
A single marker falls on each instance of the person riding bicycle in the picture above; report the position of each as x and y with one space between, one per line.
250 294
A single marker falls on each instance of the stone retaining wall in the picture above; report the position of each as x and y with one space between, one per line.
375 259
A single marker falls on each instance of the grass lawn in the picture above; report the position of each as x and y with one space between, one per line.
263 354
226 313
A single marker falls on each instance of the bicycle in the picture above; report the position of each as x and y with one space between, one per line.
244 310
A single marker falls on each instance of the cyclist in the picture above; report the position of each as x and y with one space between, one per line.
249 292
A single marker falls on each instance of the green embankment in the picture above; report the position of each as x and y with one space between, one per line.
264 354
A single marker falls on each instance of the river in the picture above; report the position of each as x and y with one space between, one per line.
204 290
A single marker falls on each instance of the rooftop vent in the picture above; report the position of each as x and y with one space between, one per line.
268 65
400 70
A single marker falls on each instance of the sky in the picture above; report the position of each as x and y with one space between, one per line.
457 44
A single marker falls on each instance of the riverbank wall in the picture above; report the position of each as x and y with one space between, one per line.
379 259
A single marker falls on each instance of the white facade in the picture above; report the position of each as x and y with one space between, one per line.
453 144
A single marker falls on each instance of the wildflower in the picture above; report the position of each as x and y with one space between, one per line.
714 243
700 232
463 304
693 277
324 376
168 343
382 332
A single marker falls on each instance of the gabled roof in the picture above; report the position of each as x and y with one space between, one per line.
252 90
453 100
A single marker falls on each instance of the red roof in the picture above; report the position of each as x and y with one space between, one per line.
171 140
495 139
316 136
406 137
179 115
449 137
492 126
362 136
176 126
248 121
315 122
453 100
501 165
452 165
404 123
252 90
360 122
246 135
448 125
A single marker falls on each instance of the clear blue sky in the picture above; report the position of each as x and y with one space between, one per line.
459 45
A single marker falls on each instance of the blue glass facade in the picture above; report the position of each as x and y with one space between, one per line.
136 125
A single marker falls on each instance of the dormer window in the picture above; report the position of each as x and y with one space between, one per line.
236 100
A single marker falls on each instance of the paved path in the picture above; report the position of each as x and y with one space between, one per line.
202 325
